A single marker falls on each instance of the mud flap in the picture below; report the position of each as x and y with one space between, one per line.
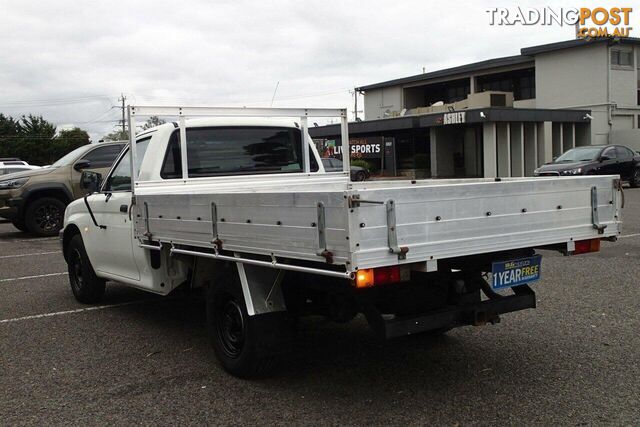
261 288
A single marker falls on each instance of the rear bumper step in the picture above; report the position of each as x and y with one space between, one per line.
453 316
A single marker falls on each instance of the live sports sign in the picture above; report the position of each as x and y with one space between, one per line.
364 148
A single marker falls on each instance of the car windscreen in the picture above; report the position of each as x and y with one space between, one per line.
579 155
71 157
236 150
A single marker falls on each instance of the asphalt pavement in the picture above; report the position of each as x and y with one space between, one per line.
141 359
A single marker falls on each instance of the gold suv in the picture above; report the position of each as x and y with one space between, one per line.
35 200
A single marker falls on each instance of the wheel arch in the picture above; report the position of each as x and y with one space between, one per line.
69 231
59 191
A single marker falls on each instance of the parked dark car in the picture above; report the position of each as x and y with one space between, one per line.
335 165
596 160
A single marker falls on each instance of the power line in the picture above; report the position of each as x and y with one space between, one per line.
52 102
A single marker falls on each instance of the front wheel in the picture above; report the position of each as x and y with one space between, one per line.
85 285
635 178
45 216
246 346
361 176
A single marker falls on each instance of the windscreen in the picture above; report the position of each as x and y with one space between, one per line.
579 154
71 157
236 150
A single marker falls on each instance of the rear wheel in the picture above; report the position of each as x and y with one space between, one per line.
635 178
85 285
45 216
246 346
361 176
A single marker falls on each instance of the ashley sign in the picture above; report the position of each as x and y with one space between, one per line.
454 118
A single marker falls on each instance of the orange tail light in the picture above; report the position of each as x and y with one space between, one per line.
378 276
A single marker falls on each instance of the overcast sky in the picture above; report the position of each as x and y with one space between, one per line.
70 60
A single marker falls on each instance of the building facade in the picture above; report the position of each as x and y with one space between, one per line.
505 116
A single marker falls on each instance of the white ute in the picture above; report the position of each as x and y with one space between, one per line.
246 211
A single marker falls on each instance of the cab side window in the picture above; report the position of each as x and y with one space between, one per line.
103 157
610 153
120 178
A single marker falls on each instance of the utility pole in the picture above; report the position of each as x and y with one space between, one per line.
355 107
123 98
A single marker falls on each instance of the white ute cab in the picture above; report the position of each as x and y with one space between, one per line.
246 211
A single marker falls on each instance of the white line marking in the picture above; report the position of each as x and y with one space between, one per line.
629 235
62 313
34 254
13 279
40 239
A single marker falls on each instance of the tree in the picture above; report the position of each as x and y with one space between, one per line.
34 139
117 135
123 135
152 122
67 141
8 135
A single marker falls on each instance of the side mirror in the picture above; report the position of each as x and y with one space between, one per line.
82 164
603 158
554 158
90 181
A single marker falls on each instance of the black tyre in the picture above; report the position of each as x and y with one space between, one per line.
85 285
20 225
635 178
361 176
246 346
44 216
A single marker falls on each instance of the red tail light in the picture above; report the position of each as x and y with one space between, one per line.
586 246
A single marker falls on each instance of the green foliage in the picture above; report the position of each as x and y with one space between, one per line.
69 140
117 135
152 122
363 164
34 139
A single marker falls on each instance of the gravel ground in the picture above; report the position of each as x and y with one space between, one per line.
143 359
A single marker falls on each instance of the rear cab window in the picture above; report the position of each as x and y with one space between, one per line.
623 152
236 150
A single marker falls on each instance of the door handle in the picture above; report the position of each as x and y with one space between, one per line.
124 208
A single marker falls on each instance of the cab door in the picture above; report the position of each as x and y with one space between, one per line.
99 160
113 251
609 165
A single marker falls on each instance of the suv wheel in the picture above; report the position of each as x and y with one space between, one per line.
45 216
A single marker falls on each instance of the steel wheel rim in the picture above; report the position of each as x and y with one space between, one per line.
48 217
231 328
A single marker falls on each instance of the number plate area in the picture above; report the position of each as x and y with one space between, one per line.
507 274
